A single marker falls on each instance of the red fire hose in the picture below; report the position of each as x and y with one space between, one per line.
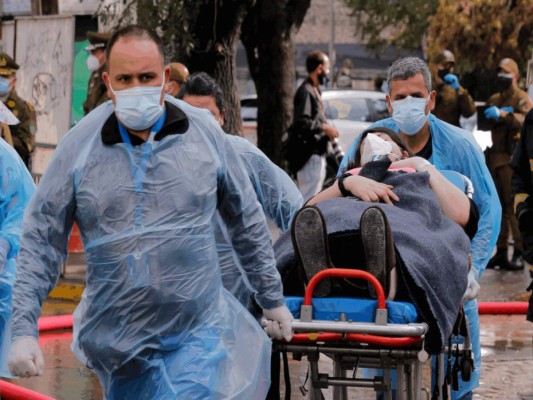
503 307
55 322
9 391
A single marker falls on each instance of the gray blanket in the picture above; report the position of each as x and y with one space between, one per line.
434 249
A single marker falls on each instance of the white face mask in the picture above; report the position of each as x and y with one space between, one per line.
410 114
92 63
374 147
139 107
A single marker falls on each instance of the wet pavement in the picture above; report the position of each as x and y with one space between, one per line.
507 350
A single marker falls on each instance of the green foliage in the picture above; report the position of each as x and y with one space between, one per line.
171 19
398 23
483 32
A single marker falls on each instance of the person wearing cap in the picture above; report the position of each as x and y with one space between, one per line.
96 91
453 100
178 75
506 113
15 192
23 134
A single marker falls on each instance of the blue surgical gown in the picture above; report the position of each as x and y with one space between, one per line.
16 189
456 149
279 198
157 322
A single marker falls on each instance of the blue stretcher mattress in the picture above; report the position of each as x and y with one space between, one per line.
355 309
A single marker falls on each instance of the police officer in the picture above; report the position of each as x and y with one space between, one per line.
522 183
506 114
178 75
23 134
452 99
96 91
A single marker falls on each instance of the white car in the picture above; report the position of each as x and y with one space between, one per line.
352 111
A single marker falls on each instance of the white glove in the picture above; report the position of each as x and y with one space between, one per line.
278 323
472 290
25 357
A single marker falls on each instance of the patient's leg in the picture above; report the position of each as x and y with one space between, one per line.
310 241
378 246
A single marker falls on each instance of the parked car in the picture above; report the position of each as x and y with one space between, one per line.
350 111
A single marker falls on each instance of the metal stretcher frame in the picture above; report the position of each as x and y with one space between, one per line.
351 345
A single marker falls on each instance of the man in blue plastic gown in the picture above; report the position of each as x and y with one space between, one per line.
16 189
410 100
143 177
276 192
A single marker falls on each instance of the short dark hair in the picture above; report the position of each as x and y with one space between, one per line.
396 138
134 31
202 84
314 59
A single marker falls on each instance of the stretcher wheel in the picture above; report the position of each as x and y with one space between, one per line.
466 369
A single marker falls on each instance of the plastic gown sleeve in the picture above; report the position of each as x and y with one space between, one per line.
44 244
16 189
468 160
278 195
279 198
247 228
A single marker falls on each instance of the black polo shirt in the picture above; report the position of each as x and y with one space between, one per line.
176 122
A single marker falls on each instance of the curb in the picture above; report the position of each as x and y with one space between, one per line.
65 290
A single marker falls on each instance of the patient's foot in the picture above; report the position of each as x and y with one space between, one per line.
309 238
378 246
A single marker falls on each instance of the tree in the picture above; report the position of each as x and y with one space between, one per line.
267 35
201 34
482 34
204 35
406 20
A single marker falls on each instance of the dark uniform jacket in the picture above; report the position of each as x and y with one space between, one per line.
522 182
96 92
450 104
23 134
506 130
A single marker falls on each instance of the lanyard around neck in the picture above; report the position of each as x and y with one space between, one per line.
138 170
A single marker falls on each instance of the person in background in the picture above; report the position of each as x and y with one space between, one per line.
453 100
522 188
506 113
275 190
310 133
143 177
410 100
15 193
344 76
23 134
178 76
96 63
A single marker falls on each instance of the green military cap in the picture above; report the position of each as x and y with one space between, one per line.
445 56
97 40
8 66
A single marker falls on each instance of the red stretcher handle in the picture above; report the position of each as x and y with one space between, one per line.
358 337
344 273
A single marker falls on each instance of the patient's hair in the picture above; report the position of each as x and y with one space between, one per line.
356 162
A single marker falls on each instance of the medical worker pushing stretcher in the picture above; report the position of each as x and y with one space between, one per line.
143 177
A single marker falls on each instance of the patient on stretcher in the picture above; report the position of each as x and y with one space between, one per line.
407 225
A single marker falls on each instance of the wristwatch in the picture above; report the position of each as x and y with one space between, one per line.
340 182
